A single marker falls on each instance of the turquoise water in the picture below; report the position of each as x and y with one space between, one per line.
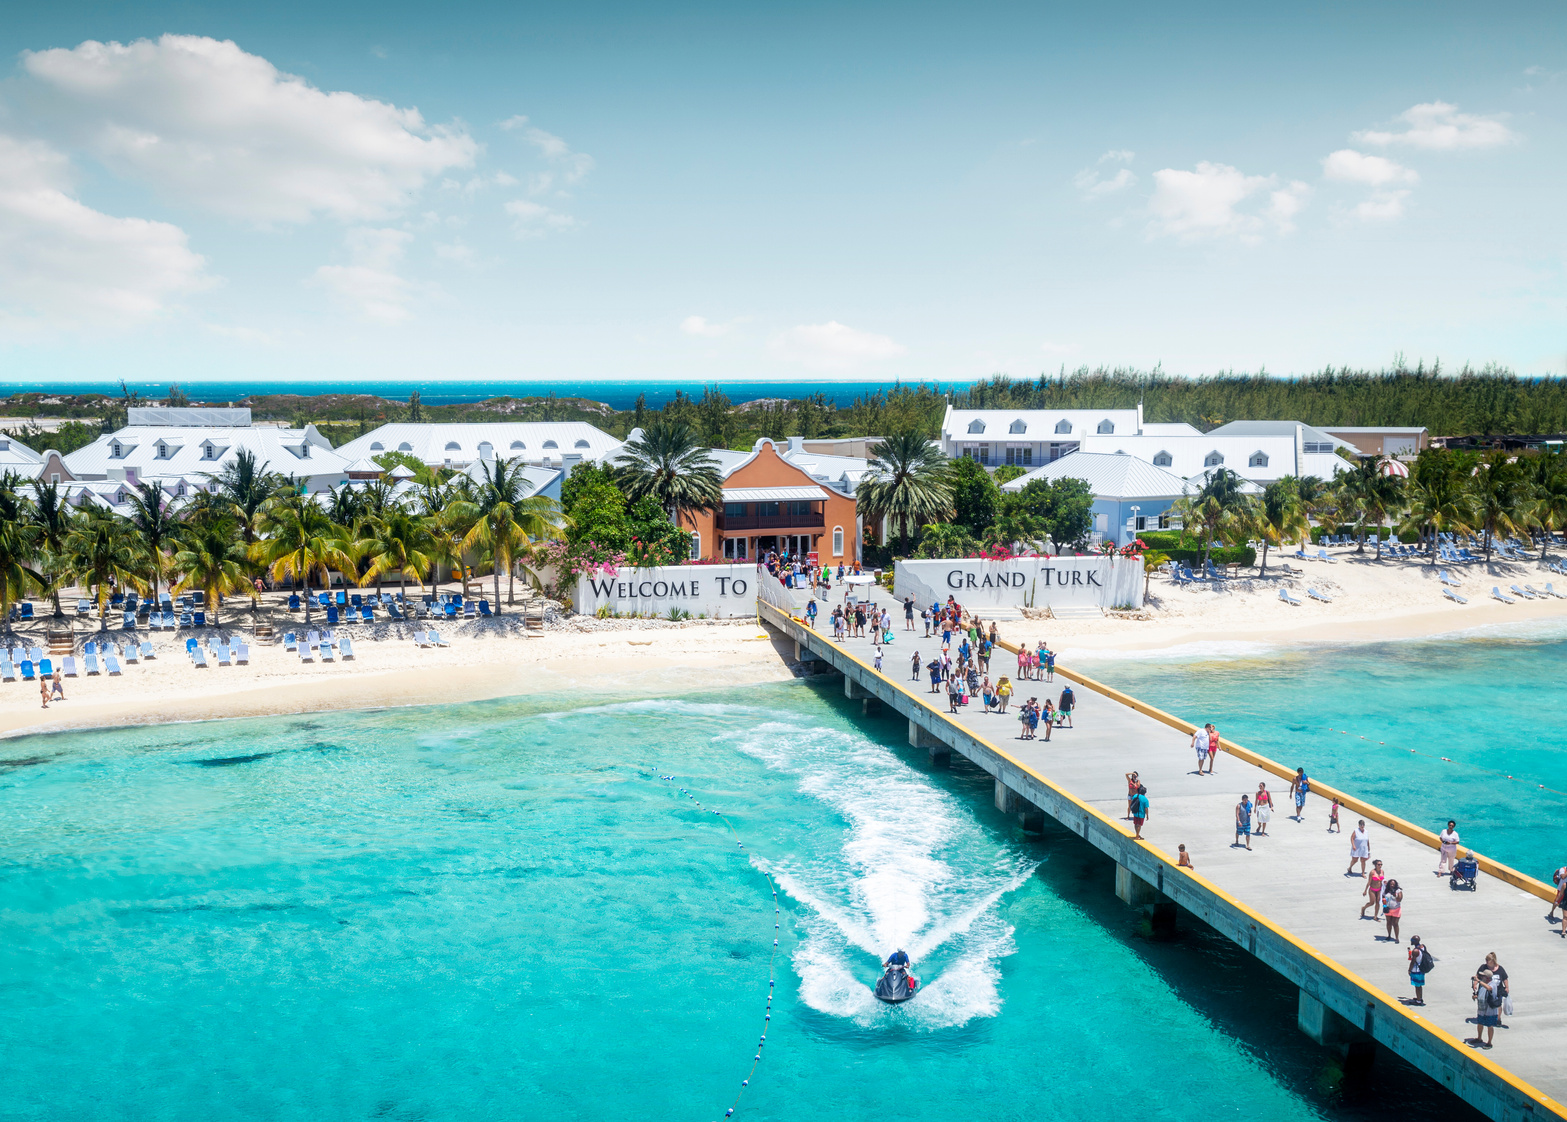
1494 704
501 910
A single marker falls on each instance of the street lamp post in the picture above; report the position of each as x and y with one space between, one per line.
1135 511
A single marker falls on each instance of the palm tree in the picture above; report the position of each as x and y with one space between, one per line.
1548 510
156 523
212 557
101 551
945 539
1278 516
246 486
908 482
1316 501
1218 506
300 541
403 544
19 541
1439 499
1372 494
668 465
506 518
1500 494
52 515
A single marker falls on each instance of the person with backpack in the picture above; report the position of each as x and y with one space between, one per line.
1139 811
1488 1009
1499 976
1065 706
1420 964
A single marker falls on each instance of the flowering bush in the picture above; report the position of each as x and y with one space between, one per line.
1135 549
573 559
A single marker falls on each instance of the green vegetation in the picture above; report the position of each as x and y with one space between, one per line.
909 484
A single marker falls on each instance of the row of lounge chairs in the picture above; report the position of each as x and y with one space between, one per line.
1284 595
29 664
234 652
430 639
338 612
1526 592
313 645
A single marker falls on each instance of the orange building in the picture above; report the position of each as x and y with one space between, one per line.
770 504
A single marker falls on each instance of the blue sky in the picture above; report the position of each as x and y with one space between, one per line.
736 192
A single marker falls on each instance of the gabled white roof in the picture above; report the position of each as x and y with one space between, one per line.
531 441
1108 476
279 450
18 457
1189 454
1035 424
365 464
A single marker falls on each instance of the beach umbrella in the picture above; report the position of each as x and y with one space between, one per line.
861 578
1394 467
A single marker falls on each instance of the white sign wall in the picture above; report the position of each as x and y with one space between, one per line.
1024 582
716 591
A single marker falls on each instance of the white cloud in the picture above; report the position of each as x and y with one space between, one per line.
1207 203
534 220
202 120
567 168
370 283
1441 127
1349 166
1382 206
1092 187
698 325
1118 156
61 258
456 252
833 346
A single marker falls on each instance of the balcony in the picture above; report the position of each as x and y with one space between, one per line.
733 522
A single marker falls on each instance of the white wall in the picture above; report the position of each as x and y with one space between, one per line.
1024 582
717 591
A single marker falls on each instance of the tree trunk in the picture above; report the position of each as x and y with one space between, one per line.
1263 571
497 568
511 583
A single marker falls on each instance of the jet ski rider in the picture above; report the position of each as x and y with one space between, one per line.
897 959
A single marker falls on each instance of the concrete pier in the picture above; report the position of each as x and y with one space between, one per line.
1286 901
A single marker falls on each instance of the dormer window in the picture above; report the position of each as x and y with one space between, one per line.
377 447
208 452
1213 459
550 444
1018 427
180 490
1162 459
581 444
5 445
976 425
486 449
453 446
1063 426
163 450
1106 427
405 447
1259 459
518 446
116 450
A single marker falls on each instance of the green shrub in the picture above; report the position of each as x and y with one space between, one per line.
1243 555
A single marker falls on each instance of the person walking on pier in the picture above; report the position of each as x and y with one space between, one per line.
1420 963
1264 804
1067 703
1213 745
935 675
1300 787
1132 783
1139 812
918 665
1048 715
1499 976
1003 694
1243 821
1488 1007
1359 849
1200 746
908 613
1448 854
1373 892
1392 908
1333 826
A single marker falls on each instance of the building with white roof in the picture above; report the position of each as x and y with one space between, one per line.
1029 437
18 458
560 444
180 451
1130 495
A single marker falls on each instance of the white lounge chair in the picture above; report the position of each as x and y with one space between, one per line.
1315 595
220 655
1535 592
7 671
1453 596
1516 591
346 648
306 654
327 653
68 666
1549 591
1445 579
198 656
1496 594
147 651
422 638
1284 594
241 654
111 662
436 640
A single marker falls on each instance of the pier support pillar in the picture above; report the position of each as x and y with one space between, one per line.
1330 1030
1133 889
851 689
869 705
1006 798
940 754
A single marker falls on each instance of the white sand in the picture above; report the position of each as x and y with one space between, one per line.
592 658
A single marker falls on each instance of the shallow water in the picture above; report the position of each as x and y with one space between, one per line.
500 910
1377 720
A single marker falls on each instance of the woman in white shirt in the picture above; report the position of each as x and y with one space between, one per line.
1448 854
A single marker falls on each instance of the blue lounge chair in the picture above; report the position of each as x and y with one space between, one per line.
1496 594
199 657
27 670
1284 594
324 598
484 609
346 647
293 601
451 611
220 655
437 641
132 652
191 644
90 648
146 649
291 641
185 618
91 661
116 599
1315 595
366 615
240 653
200 619
394 611
328 650
331 613
130 622
46 668
357 600
342 598
470 610
68 666
83 607
1322 555
1518 592
111 663
7 671
27 611
1533 591
1445 579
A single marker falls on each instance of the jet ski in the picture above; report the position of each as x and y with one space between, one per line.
897 984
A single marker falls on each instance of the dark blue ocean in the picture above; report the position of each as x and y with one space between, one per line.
618 395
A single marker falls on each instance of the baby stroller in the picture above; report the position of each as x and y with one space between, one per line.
1466 874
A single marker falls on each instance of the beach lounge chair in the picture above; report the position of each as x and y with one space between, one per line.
484 609
111 663
27 611
290 641
27 670
1496 594
132 653
365 615
1535 592
1284 594
83 607
422 638
185 618
116 599
437 641
470 610
305 653
36 654
240 653
90 648
68 666
1520 593
46 668
146 649
7 671
1454 597
323 598
191 645
90 660
331 613
346 648
1442 576
394 611
451 611
327 651
356 601
293 601
1315 595
200 619
1322 555
130 622
199 657
313 640
342 598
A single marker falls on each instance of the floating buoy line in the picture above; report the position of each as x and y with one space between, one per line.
772 980
1449 760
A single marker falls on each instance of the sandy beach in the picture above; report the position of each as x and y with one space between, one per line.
576 657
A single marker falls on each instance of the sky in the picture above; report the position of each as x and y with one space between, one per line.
194 191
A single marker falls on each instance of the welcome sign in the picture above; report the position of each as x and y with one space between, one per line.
714 591
1024 582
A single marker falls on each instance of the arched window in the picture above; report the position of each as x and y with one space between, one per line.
1106 427
405 447
1213 459
518 446
1259 459
1162 459
453 446
551 444
1018 426
580 444
1063 426
976 426
837 541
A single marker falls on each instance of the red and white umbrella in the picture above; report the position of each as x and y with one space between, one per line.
1394 467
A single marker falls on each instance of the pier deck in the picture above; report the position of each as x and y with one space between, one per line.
1288 900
